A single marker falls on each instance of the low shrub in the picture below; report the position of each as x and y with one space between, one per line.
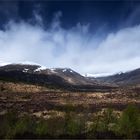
72 125
129 122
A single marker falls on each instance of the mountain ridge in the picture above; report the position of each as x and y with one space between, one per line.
54 78
66 78
124 78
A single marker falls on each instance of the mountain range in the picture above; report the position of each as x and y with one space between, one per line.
66 78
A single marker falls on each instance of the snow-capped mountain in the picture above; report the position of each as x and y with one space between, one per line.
56 77
65 76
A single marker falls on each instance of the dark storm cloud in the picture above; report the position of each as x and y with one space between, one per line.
112 15
8 10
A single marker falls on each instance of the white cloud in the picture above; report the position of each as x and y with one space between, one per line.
75 48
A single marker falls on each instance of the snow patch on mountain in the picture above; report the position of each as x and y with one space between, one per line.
25 70
53 70
40 68
67 69
71 71
64 70
97 75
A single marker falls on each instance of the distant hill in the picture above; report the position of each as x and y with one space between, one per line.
130 78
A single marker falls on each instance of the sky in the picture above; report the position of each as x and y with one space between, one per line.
89 36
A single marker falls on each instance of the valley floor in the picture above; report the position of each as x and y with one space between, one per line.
51 100
39 102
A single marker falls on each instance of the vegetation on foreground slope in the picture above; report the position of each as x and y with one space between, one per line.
105 124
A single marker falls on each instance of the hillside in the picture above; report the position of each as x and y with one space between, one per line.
131 78
52 78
